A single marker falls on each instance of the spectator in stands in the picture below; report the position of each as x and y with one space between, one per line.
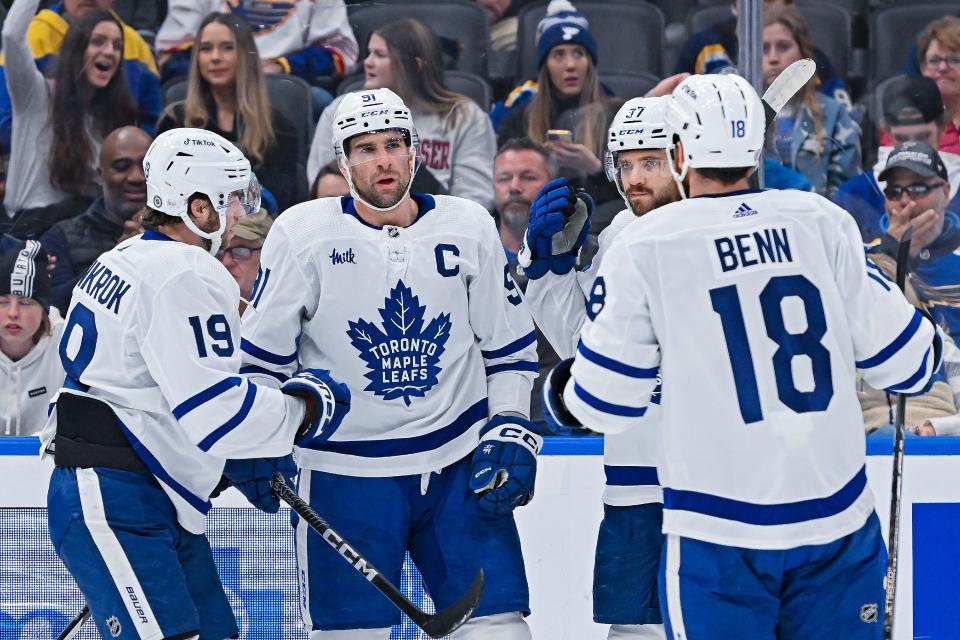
716 49
78 242
329 183
573 101
57 132
241 257
309 39
30 369
457 143
938 52
814 134
46 35
226 94
912 110
916 193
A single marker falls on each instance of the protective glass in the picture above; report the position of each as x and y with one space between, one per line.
615 168
247 198
913 191
393 147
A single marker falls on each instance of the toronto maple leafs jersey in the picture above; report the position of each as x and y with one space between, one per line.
153 331
758 307
559 307
423 323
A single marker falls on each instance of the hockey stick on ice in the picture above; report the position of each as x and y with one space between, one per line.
437 625
785 86
893 536
74 627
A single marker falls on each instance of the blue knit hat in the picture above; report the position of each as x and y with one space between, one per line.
563 24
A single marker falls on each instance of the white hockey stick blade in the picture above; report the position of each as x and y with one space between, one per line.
786 85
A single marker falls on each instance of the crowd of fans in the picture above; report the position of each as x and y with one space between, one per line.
82 94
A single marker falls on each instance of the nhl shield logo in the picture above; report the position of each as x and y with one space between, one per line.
401 357
869 613
113 625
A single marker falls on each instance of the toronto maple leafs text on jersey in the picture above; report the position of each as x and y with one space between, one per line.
423 323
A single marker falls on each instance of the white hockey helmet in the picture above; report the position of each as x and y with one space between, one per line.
639 124
182 162
720 122
367 111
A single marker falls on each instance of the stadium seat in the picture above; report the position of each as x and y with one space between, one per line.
704 17
463 22
893 31
629 85
470 85
629 36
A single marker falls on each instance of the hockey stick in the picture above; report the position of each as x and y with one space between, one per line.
785 86
74 627
437 625
893 536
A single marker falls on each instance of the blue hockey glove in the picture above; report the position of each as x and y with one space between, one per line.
558 227
559 420
504 467
331 402
252 478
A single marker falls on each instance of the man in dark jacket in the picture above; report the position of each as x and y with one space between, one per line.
77 242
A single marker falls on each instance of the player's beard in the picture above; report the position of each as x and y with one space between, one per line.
659 197
383 199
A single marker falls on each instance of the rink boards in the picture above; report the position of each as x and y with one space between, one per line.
254 550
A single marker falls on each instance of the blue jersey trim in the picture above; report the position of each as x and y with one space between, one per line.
739 192
513 366
425 204
262 354
75 385
206 395
615 366
517 345
912 380
767 514
607 407
891 349
153 234
618 476
195 501
233 422
252 368
406 446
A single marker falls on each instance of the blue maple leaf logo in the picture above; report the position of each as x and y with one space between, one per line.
401 356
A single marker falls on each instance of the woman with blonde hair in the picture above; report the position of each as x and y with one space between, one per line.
457 143
226 94
814 134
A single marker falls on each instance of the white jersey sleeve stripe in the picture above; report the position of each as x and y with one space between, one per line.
615 365
517 345
767 514
251 369
205 396
233 422
907 386
898 343
607 407
262 354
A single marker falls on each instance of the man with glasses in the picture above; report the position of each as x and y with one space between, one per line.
916 194
242 257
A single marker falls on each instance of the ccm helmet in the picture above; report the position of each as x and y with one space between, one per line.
639 124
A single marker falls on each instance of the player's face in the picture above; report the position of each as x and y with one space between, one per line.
121 172
20 319
377 68
780 50
646 179
101 58
942 65
517 177
76 8
380 167
927 132
217 55
242 260
567 66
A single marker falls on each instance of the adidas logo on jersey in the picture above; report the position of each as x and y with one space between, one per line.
744 210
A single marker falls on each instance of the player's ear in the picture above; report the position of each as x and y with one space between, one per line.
678 156
342 165
196 208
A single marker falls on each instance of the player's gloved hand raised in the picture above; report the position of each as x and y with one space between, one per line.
504 467
328 401
559 420
558 227
252 478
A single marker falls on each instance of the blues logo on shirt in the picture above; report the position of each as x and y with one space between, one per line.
401 356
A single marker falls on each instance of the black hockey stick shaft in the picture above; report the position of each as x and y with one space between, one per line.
437 625
74 627
893 536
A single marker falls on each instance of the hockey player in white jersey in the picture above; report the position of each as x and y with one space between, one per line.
758 307
406 297
153 404
630 538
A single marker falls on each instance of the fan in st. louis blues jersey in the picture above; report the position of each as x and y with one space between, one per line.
630 538
758 309
406 299
153 405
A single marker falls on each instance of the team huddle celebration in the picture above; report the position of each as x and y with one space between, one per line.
363 265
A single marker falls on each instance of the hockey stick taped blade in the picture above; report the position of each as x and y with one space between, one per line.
786 85
453 617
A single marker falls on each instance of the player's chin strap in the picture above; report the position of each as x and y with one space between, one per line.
414 165
677 177
215 237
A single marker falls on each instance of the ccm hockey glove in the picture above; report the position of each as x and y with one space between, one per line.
504 468
331 402
252 478
558 227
